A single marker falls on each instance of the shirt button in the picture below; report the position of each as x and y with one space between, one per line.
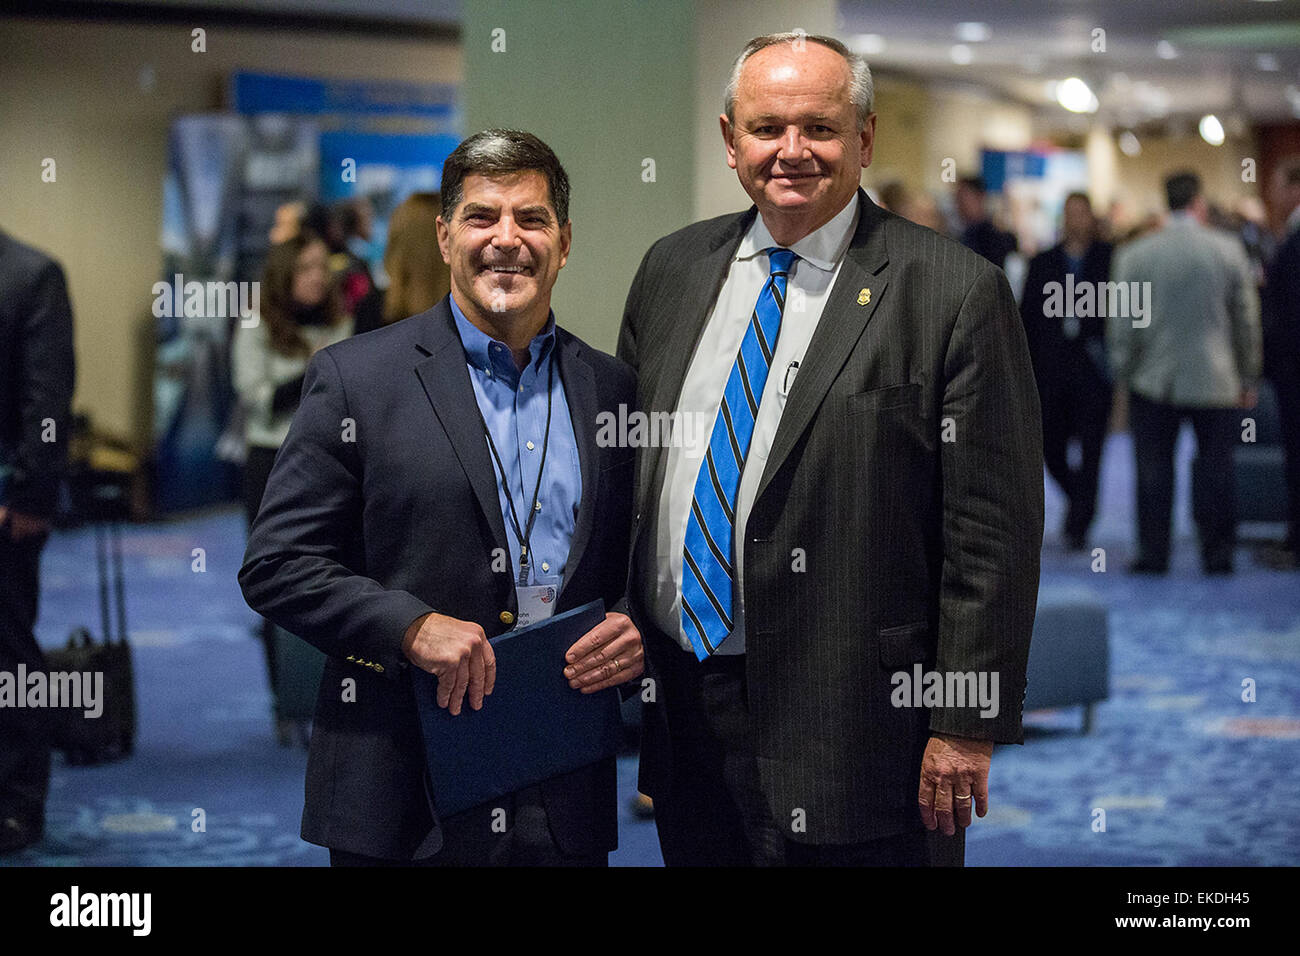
537 506
545 566
529 446
506 617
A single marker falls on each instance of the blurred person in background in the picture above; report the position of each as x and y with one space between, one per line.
300 313
37 372
1070 365
418 279
1282 348
288 220
979 234
921 209
348 271
894 195
1194 355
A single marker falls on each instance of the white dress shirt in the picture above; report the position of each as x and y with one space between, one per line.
808 286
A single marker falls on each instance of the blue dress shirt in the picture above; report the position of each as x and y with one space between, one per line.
513 404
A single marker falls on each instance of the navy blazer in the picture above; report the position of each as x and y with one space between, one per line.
381 507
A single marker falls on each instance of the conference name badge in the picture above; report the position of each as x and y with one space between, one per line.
536 603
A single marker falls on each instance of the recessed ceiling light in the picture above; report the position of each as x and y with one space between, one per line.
960 54
1076 96
1211 129
868 44
1165 50
972 32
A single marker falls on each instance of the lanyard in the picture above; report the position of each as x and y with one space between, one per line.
525 534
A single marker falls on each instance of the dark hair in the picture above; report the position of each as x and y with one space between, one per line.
1080 195
1181 188
499 151
324 221
279 309
974 182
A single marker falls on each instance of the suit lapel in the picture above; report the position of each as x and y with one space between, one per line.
863 274
580 393
445 377
700 288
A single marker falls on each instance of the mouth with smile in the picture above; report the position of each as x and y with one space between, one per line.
793 177
498 269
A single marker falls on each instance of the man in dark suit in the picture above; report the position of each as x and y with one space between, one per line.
868 511
1069 356
979 234
37 372
439 477
1282 348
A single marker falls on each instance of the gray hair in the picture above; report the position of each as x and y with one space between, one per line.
495 152
861 88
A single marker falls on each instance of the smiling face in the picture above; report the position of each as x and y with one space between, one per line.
505 248
794 141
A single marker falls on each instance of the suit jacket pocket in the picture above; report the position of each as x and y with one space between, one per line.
905 644
908 394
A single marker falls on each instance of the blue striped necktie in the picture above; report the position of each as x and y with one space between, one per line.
707 575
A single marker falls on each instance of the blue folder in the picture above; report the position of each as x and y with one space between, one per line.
534 726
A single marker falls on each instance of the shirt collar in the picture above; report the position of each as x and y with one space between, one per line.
823 247
490 355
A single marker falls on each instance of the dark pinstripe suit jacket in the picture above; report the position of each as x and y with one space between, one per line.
919 550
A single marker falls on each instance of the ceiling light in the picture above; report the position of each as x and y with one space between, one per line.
1128 143
1075 96
1211 129
960 54
973 32
868 44
1165 50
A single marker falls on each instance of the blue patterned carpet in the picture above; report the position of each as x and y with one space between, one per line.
1186 773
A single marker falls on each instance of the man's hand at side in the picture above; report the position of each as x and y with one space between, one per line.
606 656
21 526
954 767
457 653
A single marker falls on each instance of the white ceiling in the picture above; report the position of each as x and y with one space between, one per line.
1239 59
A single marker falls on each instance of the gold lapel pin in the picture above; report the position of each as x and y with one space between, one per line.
864 297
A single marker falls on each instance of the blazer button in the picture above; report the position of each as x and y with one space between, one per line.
506 617
379 668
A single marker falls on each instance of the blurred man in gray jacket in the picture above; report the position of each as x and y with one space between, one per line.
1187 347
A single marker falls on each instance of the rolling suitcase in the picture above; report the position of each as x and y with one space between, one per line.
111 734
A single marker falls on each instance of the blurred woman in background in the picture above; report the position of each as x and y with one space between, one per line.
417 276
300 313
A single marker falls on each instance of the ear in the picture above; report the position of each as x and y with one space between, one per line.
728 132
444 237
867 140
566 241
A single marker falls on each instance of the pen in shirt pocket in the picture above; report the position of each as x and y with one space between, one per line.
787 382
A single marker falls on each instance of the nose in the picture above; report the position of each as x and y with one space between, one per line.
793 145
506 235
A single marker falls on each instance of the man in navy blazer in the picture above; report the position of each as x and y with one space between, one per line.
395 527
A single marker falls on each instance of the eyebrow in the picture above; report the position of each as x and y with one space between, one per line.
802 120
470 208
